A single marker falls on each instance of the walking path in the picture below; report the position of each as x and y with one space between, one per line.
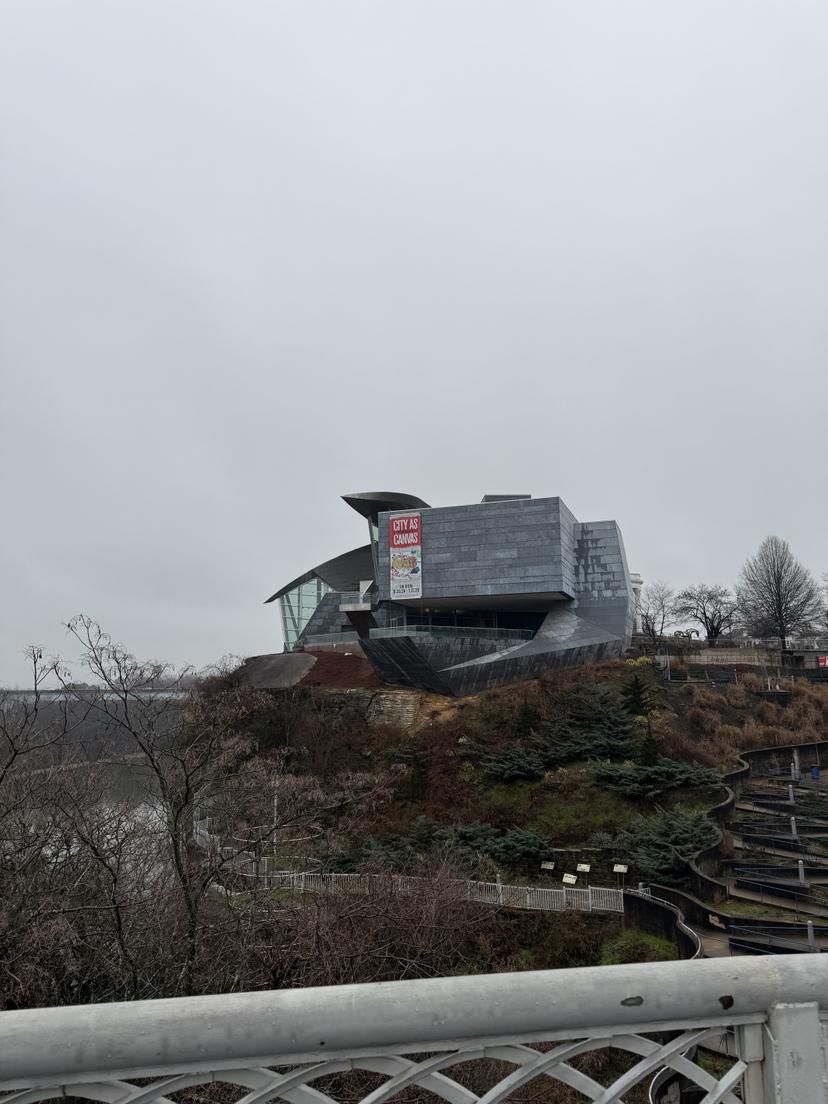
246 865
780 935
588 899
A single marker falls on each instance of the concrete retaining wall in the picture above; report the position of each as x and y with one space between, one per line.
660 919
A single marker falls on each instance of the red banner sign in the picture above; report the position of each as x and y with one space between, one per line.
405 531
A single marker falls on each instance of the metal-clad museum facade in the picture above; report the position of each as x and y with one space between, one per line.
460 598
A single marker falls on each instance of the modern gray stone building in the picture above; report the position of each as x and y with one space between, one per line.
457 599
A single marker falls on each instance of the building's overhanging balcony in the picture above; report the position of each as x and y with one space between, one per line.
358 601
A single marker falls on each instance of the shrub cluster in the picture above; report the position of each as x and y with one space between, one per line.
636 946
661 846
640 780
515 849
590 722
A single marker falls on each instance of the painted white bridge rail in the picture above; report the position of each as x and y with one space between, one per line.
462 1039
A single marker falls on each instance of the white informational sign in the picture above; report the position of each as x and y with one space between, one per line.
569 879
547 866
406 556
620 868
583 868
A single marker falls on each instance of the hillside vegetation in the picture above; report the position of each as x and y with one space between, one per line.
112 894
603 756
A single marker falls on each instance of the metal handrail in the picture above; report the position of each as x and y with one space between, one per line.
275 1044
357 598
532 898
740 936
327 638
453 630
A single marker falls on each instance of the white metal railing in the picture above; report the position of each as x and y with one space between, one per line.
246 864
465 1040
587 899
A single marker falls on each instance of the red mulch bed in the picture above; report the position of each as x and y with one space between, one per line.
335 670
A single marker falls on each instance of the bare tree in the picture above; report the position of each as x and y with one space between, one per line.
105 894
120 873
391 928
712 607
192 744
69 927
657 601
36 742
33 729
777 595
196 760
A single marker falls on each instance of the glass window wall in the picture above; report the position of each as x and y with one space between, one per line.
373 530
464 618
298 606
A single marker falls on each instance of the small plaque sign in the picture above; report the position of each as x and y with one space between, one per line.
583 868
569 879
620 868
547 866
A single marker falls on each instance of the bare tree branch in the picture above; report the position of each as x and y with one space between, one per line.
712 607
777 595
657 610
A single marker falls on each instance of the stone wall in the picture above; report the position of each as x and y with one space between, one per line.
662 919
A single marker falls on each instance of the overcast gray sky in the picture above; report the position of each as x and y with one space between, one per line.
254 255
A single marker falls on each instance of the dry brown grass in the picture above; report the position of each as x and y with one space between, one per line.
737 696
703 721
755 734
759 735
734 739
703 696
803 713
718 724
805 736
677 744
767 713
709 699
752 682
724 746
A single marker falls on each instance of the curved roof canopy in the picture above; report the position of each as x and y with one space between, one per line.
371 503
343 572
